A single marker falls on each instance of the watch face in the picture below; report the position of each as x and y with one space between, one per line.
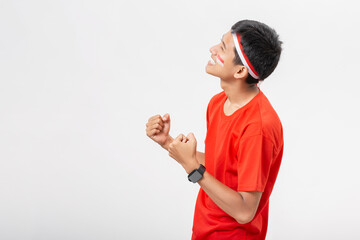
196 176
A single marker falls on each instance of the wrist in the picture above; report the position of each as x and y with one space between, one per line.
169 140
197 174
191 167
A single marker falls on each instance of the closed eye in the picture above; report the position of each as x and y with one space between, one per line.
223 44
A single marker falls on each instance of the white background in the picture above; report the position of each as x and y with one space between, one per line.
79 80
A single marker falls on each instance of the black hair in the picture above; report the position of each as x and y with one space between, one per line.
261 45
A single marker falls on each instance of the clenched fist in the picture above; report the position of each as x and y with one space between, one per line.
157 128
183 150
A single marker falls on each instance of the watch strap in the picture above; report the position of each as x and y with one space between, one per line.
197 174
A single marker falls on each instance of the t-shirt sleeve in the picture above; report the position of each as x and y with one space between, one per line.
254 155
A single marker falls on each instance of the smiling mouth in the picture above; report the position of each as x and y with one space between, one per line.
211 61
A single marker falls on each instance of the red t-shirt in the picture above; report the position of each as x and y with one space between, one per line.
244 152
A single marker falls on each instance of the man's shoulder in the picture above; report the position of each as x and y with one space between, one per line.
264 120
267 113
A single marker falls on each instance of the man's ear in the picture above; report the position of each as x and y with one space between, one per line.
241 72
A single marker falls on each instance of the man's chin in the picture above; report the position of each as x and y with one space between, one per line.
211 73
208 71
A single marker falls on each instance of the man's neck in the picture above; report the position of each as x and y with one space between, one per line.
240 93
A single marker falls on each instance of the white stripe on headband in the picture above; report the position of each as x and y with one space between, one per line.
243 57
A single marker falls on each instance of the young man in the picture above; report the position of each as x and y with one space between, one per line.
244 140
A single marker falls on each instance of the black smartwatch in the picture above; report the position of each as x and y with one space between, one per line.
197 174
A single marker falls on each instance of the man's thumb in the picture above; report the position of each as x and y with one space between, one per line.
191 136
166 117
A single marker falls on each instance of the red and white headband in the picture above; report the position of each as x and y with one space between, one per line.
243 57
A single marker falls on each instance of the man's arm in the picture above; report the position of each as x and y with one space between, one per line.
241 206
200 157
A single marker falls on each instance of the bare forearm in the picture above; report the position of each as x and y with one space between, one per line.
227 199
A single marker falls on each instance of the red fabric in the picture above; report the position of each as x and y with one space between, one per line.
246 58
244 152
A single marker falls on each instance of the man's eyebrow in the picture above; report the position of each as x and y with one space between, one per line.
223 41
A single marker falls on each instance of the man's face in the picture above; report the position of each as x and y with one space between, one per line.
221 63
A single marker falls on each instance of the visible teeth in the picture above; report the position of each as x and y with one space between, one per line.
212 61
